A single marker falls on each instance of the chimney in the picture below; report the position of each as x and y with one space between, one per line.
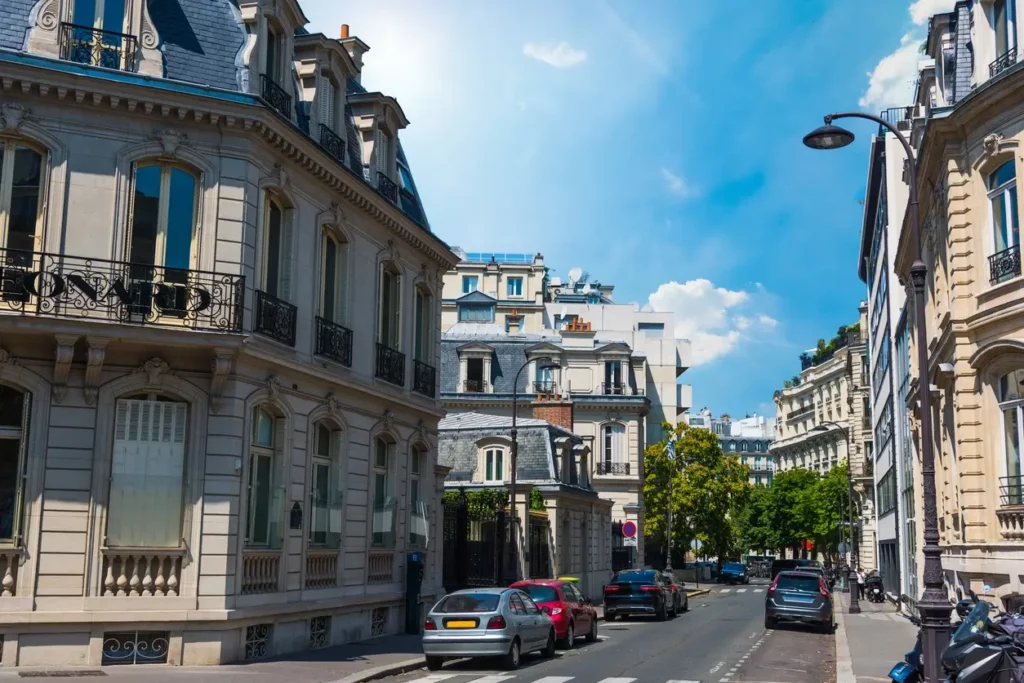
344 31
557 411
515 323
355 48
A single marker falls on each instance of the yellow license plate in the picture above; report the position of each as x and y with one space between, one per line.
461 624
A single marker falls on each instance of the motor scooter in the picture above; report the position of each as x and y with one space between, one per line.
911 669
874 589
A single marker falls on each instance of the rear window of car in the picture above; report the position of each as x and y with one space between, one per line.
733 566
795 582
540 593
468 602
635 577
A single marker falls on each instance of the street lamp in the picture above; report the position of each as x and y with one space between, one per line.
542 364
671 454
852 584
933 607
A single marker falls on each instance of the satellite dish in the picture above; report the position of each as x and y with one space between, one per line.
586 289
556 281
575 273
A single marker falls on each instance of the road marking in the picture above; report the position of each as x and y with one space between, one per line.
556 679
432 678
725 590
617 680
675 681
492 679
759 590
741 590
717 667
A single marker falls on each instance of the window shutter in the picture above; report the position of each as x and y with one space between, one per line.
327 102
396 312
383 153
287 221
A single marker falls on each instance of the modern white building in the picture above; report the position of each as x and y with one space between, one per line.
220 322
749 439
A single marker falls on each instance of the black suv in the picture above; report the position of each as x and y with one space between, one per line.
781 565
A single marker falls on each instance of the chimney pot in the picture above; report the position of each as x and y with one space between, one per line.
344 30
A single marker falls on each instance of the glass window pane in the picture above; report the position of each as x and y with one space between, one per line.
113 16
417 457
403 174
181 213
386 312
145 215
260 504
323 441
381 457
25 193
12 404
1002 27
1003 174
10 477
321 501
330 278
273 256
263 433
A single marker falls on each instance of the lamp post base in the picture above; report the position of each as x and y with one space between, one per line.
854 593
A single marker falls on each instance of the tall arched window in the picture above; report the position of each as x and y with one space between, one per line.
21 179
163 223
494 465
383 531
390 315
332 278
613 449
325 492
419 524
275 249
422 321
1002 194
265 489
1011 403
14 411
147 472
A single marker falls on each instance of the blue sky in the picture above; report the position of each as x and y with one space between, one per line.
656 145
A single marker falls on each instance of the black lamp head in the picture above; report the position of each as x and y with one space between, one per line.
828 137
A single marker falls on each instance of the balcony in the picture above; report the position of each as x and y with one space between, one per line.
1002 62
275 96
1004 265
333 342
545 387
615 468
387 187
614 389
424 378
88 45
390 365
901 117
96 290
474 386
332 143
800 413
275 318
1011 513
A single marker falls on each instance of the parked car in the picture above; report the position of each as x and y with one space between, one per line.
799 596
783 565
561 600
638 591
820 571
681 599
486 622
734 572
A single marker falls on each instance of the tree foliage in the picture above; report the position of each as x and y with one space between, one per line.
704 487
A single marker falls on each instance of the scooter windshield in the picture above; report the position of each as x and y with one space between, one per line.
974 625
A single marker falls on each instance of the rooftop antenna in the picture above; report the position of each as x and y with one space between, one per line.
574 275
586 288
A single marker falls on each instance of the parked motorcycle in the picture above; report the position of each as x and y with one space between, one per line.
874 589
911 669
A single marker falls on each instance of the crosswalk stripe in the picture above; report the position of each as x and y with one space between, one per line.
492 679
725 590
617 680
674 681
556 679
759 590
741 590
432 678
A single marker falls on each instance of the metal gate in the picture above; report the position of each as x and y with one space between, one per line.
540 548
473 546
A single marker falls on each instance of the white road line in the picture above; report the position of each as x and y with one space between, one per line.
675 681
759 590
741 590
556 679
617 680
492 679
725 590
432 678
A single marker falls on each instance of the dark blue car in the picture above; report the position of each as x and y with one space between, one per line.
735 572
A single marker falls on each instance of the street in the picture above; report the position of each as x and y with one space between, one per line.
720 640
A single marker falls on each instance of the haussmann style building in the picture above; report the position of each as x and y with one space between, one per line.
219 321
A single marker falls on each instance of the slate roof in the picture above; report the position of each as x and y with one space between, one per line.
200 40
14 22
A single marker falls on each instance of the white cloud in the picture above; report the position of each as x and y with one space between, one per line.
891 83
767 321
678 185
561 56
922 10
708 316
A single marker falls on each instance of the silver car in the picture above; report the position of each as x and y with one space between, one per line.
486 622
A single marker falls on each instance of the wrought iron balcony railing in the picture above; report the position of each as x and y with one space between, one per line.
387 187
474 386
276 96
333 342
275 318
800 413
1004 265
424 378
1002 62
37 283
609 467
614 389
332 143
390 365
1011 490
88 45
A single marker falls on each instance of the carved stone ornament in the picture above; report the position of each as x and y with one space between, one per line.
154 369
12 115
94 367
280 175
338 213
333 405
273 387
6 360
170 140
388 252
387 422
991 143
63 356
220 366
421 431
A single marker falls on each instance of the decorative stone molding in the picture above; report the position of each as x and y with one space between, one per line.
170 139
338 213
94 367
12 115
1011 522
63 357
6 360
386 423
992 142
220 366
421 432
273 387
154 369
387 253
333 405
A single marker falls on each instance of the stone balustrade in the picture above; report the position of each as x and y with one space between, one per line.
141 571
10 559
380 567
321 568
261 570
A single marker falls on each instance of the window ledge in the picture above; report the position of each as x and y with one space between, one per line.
995 290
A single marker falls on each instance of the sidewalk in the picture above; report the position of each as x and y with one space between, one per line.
870 643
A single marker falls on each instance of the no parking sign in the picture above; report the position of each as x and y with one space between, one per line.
629 529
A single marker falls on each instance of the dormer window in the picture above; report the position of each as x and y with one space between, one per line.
98 35
273 64
476 313
1004 21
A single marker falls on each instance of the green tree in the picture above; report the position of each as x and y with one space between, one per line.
792 512
829 500
756 527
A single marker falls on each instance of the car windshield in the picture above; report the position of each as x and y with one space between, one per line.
468 602
733 567
973 627
635 577
540 593
796 582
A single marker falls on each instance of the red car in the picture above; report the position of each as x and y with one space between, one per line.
562 601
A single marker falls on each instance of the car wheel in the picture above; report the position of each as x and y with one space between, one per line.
686 604
769 623
592 636
662 614
549 648
570 637
511 660
434 663
675 609
609 616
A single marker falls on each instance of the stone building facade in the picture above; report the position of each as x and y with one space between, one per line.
220 322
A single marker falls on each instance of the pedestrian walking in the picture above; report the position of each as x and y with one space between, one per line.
860 584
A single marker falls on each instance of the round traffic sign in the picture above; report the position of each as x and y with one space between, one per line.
629 529
844 547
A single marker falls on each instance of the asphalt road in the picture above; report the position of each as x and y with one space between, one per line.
720 640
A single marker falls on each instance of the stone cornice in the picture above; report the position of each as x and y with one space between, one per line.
237 111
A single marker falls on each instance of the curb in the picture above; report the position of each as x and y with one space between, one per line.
700 591
383 671
844 663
